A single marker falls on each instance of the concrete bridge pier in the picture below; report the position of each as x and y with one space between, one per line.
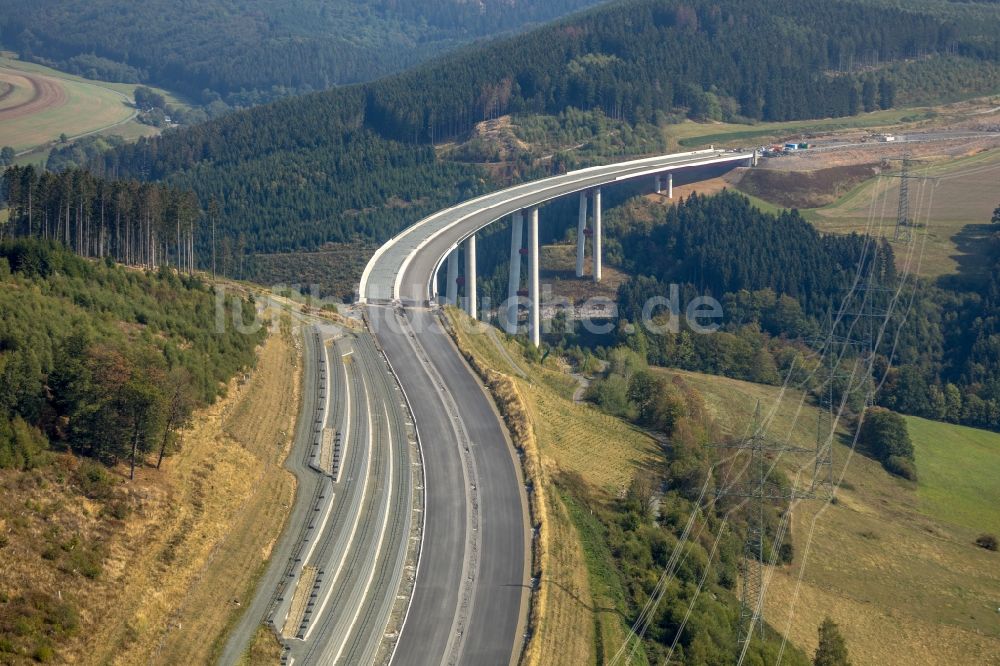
514 280
451 284
670 185
533 291
597 234
581 234
657 184
470 276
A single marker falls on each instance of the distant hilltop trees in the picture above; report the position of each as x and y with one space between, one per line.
250 51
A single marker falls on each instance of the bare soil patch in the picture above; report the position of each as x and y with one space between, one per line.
806 189
336 268
559 271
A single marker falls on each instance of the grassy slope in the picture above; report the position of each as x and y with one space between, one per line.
960 207
905 583
234 493
958 474
690 134
90 106
582 623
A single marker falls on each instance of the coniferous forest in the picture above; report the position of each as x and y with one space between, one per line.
286 174
106 361
249 52
132 222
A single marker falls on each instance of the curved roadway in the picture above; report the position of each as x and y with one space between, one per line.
470 597
402 269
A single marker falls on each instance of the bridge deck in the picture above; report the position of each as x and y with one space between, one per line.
403 268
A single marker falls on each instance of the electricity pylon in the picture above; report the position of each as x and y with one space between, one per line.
757 491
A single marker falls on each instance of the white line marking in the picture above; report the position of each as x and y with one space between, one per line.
345 435
318 532
378 547
423 502
357 518
326 414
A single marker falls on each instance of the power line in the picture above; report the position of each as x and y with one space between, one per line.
758 491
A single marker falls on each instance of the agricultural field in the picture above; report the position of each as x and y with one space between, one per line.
888 553
583 601
955 209
38 104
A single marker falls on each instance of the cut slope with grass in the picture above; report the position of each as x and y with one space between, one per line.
200 562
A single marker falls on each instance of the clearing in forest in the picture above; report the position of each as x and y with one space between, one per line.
38 104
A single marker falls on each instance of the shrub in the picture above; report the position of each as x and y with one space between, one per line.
901 467
94 480
987 541
22 446
85 561
884 434
43 654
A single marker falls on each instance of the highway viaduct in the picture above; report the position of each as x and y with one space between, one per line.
471 592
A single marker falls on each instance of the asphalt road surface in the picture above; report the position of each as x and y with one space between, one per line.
337 567
471 594
470 599
402 269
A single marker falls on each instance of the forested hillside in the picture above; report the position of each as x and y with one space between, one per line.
101 369
352 163
781 282
102 360
251 50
